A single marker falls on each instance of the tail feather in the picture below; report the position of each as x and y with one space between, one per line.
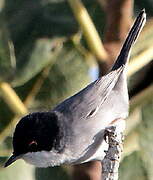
130 40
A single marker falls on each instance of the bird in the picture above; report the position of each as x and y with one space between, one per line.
73 132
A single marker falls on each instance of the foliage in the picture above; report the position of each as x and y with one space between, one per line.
37 52
138 165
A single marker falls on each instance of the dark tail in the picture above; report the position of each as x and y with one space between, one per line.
130 40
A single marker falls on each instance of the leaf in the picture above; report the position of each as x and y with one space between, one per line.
19 170
40 57
68 75
34 31
146 137
132 167
7 57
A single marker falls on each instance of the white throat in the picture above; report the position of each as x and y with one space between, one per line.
46 158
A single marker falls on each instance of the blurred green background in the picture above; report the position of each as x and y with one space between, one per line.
45 58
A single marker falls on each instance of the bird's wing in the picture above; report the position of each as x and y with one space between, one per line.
85 103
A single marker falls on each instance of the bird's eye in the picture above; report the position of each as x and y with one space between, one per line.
33 146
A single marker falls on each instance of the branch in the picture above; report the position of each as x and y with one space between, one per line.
37 86
14 102
7 130
12 99
141 98
118 21
140 61
91 35
110 163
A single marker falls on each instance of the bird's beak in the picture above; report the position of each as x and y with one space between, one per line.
12 159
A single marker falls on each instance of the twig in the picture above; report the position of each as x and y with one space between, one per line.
93 40
37 86
15 103
6 131
140 61
6 152
110 163
12 99
141 98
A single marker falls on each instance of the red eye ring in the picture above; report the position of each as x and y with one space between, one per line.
33 143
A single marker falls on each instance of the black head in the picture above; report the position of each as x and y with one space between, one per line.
35 132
